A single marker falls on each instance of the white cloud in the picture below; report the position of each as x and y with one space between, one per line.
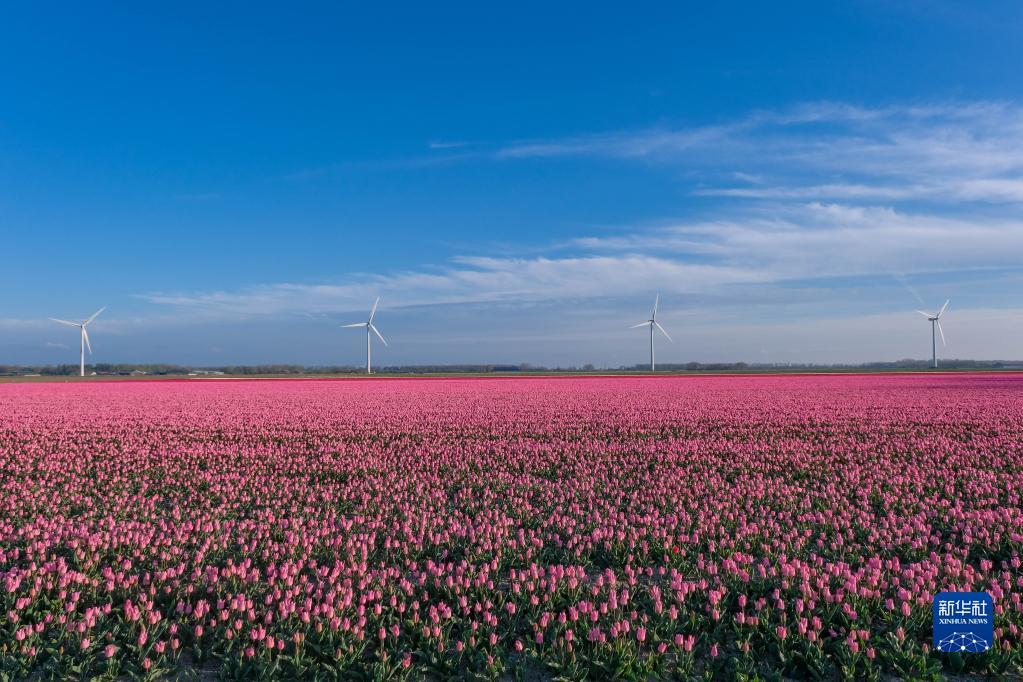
828 191
472 280
768 245
630 144
940 153
836 240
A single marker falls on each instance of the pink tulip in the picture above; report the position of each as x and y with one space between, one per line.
272 510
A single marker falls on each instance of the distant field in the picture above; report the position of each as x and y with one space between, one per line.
533 527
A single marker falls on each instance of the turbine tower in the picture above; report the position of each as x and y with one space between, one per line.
652 322
370 330
85 336
935 320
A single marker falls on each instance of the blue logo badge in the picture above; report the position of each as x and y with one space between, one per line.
964 622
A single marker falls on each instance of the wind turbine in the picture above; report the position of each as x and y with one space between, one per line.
85 336
368 324
935 320
652 322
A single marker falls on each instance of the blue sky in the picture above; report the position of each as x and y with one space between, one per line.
516 183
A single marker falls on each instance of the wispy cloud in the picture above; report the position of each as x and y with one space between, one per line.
469 280
446 144
776 245
825 151
821 191
834 240
629 144
828 151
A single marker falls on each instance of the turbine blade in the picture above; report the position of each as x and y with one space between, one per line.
641 324
658 324
941 333
95 315
374 311
657 299
379 335
70 324
942 309
927 315
357 324
85 335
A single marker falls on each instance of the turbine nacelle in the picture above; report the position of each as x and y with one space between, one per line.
935 319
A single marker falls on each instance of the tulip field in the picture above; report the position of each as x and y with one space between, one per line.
758 527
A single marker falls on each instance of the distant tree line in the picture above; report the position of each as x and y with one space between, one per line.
126 369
